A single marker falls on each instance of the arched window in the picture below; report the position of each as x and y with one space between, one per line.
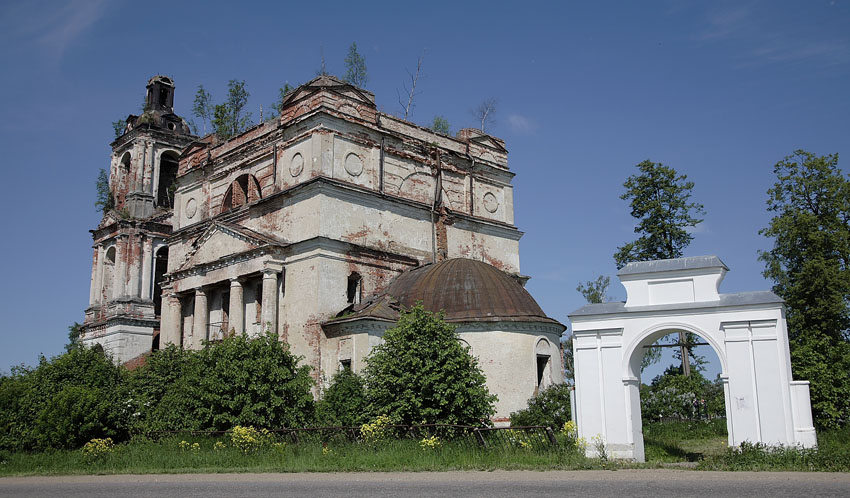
543 353
125 161
108 274
244 190
354 288
167 182
160 268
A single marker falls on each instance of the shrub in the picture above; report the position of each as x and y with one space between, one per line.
377 431
344 401
239 381
550 407
679 396
249 439
63 402
422 373
97 448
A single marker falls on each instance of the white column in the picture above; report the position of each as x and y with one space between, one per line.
172 319
201 317
237 307
119 275
93 290
134 266
147 273
98 279
269 300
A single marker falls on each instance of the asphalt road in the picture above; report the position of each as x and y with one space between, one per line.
627 483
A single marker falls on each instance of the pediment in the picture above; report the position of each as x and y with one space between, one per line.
488 141
222 240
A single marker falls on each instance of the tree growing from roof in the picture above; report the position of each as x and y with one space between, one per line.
203 107
230 117
355 67
423 373
441 125
660 199
485 113
407 106
118 127
282 93
104 200
810 267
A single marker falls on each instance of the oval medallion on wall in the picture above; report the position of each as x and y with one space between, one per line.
353 164
191 208
491 204
296 165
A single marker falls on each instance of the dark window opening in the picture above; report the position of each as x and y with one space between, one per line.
542 362
167 184
353 292
155 344
344 365
160 268
163 97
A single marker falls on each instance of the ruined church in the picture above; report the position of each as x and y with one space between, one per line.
319 225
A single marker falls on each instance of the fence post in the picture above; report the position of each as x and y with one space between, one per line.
551 434
479 438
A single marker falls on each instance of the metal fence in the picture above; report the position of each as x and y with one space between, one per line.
536 437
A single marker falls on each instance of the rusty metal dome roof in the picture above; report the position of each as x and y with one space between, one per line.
466 290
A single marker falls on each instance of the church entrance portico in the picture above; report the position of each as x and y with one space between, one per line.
747 331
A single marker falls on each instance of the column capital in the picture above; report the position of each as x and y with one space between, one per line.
272 267
200 291
235 282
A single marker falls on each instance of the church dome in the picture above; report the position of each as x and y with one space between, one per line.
466 290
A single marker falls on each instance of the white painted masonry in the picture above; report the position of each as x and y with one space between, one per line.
747 331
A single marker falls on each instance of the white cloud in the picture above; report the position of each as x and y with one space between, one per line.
521 124
761 43
53 26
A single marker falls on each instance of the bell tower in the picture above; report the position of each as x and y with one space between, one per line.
130 253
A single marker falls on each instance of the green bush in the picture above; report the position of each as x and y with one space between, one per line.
549 407
422 373
344 401
63 402
679 396
238 381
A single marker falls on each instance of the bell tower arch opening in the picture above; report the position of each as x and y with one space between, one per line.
166 183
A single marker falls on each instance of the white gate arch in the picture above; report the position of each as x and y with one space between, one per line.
746 330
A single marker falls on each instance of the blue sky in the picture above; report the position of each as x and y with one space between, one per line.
586 90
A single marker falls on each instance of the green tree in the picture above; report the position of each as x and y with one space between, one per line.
229 118
660 199
441 125
104 201
595 291
809 267
355 67
203 107
344 401
282 93
118 127
74 332
423 373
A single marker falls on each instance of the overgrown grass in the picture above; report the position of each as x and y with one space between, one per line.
831 455
166 456
686 441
